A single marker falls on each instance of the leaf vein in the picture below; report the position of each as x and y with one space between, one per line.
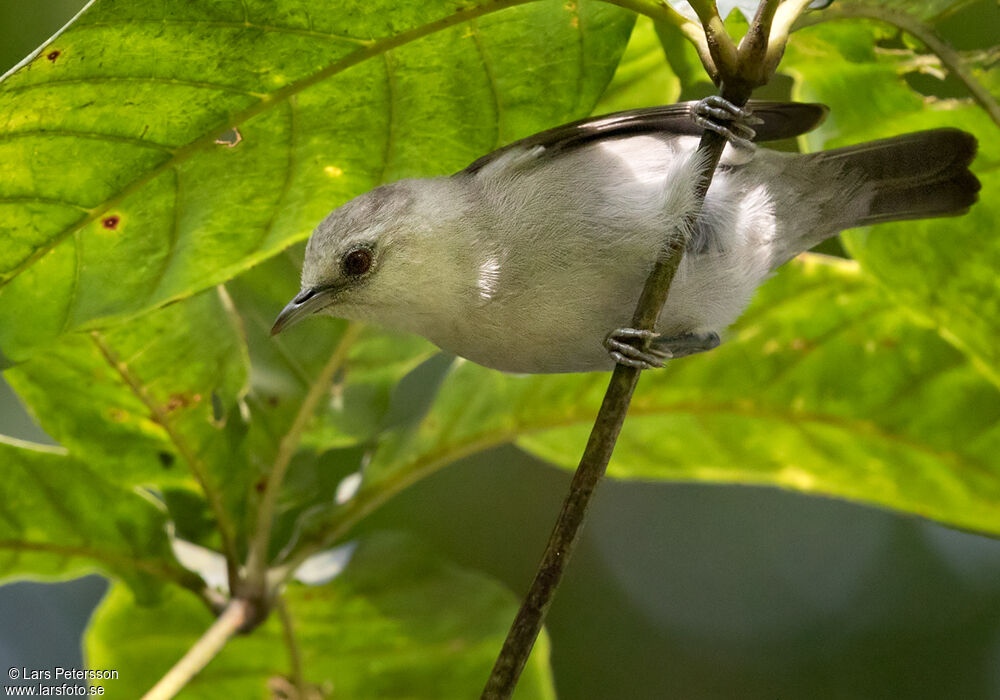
28 199
490 77
223 24
106 79
89 135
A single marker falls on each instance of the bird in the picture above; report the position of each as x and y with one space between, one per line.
531 259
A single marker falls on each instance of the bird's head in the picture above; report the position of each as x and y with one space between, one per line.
374 258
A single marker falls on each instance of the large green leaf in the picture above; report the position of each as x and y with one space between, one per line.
116 195
397 623
943 271
643 77
825 386
140 397
155 401
60 518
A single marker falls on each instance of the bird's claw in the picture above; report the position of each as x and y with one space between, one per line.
653 349
639 356
726 119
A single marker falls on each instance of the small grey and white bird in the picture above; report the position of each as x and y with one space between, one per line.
532 258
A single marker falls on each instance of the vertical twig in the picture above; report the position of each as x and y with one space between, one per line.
257 562
738 79
294 657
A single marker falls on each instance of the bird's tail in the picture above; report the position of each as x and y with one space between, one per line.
915 176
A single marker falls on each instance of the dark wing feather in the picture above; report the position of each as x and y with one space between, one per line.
781 120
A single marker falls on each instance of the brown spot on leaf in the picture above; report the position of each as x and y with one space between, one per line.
180 400
260 485
166 459
111 222
118 415
229 138
53 55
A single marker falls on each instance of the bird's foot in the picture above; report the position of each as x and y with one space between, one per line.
644 349
726 119
632 347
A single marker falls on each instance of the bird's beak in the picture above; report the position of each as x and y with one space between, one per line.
308 302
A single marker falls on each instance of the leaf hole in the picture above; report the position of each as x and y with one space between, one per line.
229 138
166 459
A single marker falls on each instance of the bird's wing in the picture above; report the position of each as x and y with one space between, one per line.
780 120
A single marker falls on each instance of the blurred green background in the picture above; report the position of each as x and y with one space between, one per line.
680 591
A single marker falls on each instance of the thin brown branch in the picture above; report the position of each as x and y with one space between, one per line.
738 81
610 418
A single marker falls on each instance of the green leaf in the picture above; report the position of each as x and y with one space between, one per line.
942 270
397 623
825 386
154 401
60 519
140 395
124 187
643 77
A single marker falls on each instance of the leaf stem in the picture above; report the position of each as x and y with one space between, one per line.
738 80
663 12
720 44
903 20
257 561
205 649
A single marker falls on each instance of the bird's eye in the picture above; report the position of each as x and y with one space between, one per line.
357 262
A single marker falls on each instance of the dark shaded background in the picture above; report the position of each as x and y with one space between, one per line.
681 591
